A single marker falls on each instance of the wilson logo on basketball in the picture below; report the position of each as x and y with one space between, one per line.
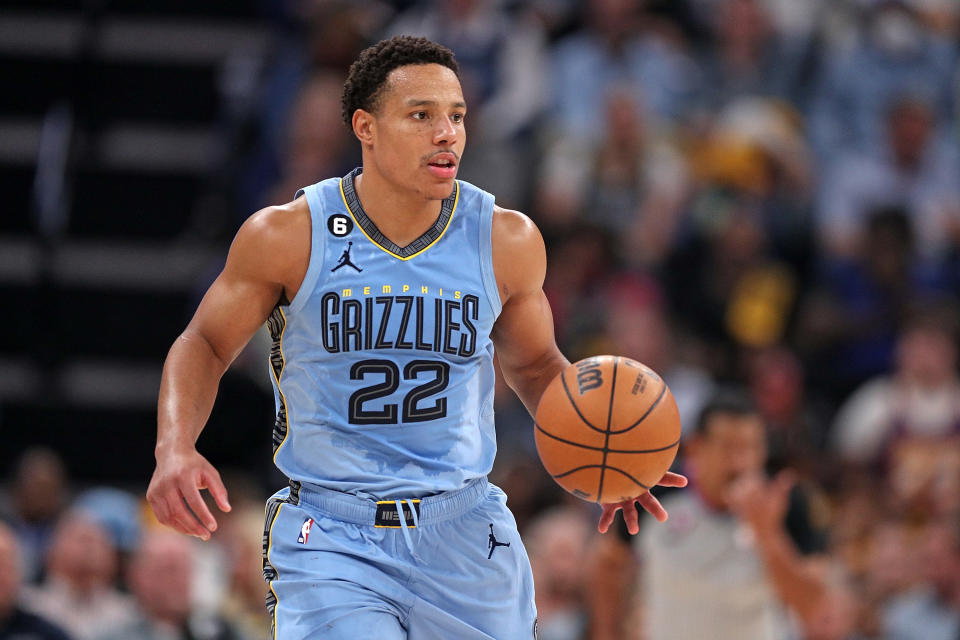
589 376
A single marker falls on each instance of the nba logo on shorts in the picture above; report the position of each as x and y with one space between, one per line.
305 531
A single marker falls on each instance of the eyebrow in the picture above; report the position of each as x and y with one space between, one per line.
432 103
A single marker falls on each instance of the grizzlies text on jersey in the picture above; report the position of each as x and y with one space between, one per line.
382 364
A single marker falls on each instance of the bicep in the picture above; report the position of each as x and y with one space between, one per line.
230 313
523 333
526 349
242 297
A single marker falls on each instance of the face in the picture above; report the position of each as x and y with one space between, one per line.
39 486
731 446
910 127
82 554
927 357
160 576
416 137
742 20
940 555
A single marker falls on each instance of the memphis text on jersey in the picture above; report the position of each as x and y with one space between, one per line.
400 317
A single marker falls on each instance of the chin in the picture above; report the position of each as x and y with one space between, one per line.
440 190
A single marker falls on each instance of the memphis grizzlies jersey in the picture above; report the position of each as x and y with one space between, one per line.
382 364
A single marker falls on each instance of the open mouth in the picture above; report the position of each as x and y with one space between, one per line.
443 166
444 161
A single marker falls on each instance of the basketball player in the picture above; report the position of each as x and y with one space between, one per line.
385 292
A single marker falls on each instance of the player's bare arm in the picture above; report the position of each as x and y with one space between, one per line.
266 264
524 337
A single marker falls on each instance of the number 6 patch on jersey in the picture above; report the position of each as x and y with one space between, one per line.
339 225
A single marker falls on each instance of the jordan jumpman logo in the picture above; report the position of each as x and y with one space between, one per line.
492 543
345 259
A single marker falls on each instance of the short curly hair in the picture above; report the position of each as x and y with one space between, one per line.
368 74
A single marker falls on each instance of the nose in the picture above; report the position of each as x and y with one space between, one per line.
740 462
446 132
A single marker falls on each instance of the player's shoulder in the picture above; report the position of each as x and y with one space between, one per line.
279 219
514 227
276 225
519 255
274 239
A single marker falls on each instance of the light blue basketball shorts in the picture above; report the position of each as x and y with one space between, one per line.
344 567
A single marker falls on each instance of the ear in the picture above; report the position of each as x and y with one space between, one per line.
364 126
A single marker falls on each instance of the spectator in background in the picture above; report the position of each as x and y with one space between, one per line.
312 39
241 536
118 511
631 182
889 569
79 591
775 167
579 256
894 56
734 555
748 57
15 622
915 167
851 318
725 279
738 264
931 610
836 617
39 492
558 540
160 578
908 423
941 17
619 46
312 146
532 491
796 428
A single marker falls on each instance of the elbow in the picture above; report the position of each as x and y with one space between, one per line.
195 342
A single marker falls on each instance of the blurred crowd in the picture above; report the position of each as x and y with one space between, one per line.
759 199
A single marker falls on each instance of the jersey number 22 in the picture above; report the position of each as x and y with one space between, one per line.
412 409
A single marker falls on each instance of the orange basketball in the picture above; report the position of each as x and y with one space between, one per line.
607 428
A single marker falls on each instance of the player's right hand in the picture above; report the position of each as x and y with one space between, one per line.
174 493
647 500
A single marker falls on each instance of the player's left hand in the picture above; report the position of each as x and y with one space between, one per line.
630 514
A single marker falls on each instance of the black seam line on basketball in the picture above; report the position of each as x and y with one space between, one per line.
653 406
594 448
594 466
566 473
573 403
606 440
622 472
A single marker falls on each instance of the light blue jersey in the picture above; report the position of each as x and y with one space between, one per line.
383 376
382 363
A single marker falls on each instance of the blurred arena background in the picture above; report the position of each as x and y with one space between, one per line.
752 193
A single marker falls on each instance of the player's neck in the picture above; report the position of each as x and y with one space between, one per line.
402 215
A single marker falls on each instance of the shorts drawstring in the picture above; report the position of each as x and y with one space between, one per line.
406 529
